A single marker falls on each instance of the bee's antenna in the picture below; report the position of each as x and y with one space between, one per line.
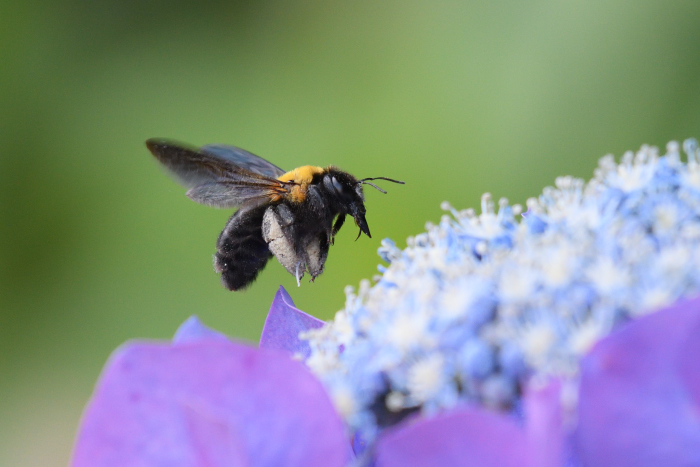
373 185
365 182
383 178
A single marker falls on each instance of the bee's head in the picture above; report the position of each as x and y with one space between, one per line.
346 192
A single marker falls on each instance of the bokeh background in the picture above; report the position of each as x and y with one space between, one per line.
98 245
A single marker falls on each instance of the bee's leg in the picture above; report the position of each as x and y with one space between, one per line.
241 250
286 218
279 231
336 227
315 254
287 224
317 216
295 238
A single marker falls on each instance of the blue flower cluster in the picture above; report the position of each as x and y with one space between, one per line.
481 303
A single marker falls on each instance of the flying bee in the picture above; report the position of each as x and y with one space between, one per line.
292 215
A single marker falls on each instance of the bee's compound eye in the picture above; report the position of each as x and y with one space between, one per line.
336 184
333 185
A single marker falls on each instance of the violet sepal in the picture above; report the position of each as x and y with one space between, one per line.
467 437
284 323
473 436
638 399
544 425
193 330
209 402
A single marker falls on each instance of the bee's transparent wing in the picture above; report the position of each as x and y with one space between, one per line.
214 180
233 193
244 159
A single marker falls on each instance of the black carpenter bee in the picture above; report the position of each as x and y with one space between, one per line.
292 215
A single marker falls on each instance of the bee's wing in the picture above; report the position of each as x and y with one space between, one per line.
230 193
214 180
244 159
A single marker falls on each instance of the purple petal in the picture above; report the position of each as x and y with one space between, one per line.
284 323
543 424
208 403
194 330
463 437
689 367
639 393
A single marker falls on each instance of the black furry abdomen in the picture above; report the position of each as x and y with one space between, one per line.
241 251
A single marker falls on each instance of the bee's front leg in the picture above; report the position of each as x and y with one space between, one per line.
336 227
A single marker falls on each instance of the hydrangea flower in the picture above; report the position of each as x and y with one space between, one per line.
203 400
479 305
570 337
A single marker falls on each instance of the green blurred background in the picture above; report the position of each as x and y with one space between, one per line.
98 245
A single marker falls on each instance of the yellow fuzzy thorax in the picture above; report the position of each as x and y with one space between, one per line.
301 176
